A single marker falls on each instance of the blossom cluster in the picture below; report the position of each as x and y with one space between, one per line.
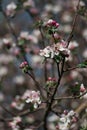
55 50
32 97
14 123
29 97
66 120
25 36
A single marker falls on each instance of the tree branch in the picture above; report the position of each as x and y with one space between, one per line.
73 25
71 97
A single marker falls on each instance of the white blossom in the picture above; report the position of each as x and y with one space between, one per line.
14 123
32 97
73 44
47 52
66 120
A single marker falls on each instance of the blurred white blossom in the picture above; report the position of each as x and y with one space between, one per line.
85 34
10 9
3 71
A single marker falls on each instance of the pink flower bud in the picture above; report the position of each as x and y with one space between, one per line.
57 127
52 23
82 88
23 64
65 112
13 104
49 79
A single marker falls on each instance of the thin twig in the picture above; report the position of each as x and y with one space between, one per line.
71 97
56 113
73 25
9 25
58 69
36 126
52 97
42 36
26 112
54 38
39 87
8 111
53 69
36 83
43 43
70 69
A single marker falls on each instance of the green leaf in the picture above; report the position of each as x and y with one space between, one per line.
19 6
83 11
58 58
21 42
83 128
43 60
75 89
83 64
29 68
24 70
39 24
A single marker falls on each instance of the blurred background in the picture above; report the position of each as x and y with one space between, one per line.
12 81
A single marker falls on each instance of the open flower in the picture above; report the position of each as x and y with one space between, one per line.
65 51
32 97
60 48
24 35
29 96
55 50
47 52
66 120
